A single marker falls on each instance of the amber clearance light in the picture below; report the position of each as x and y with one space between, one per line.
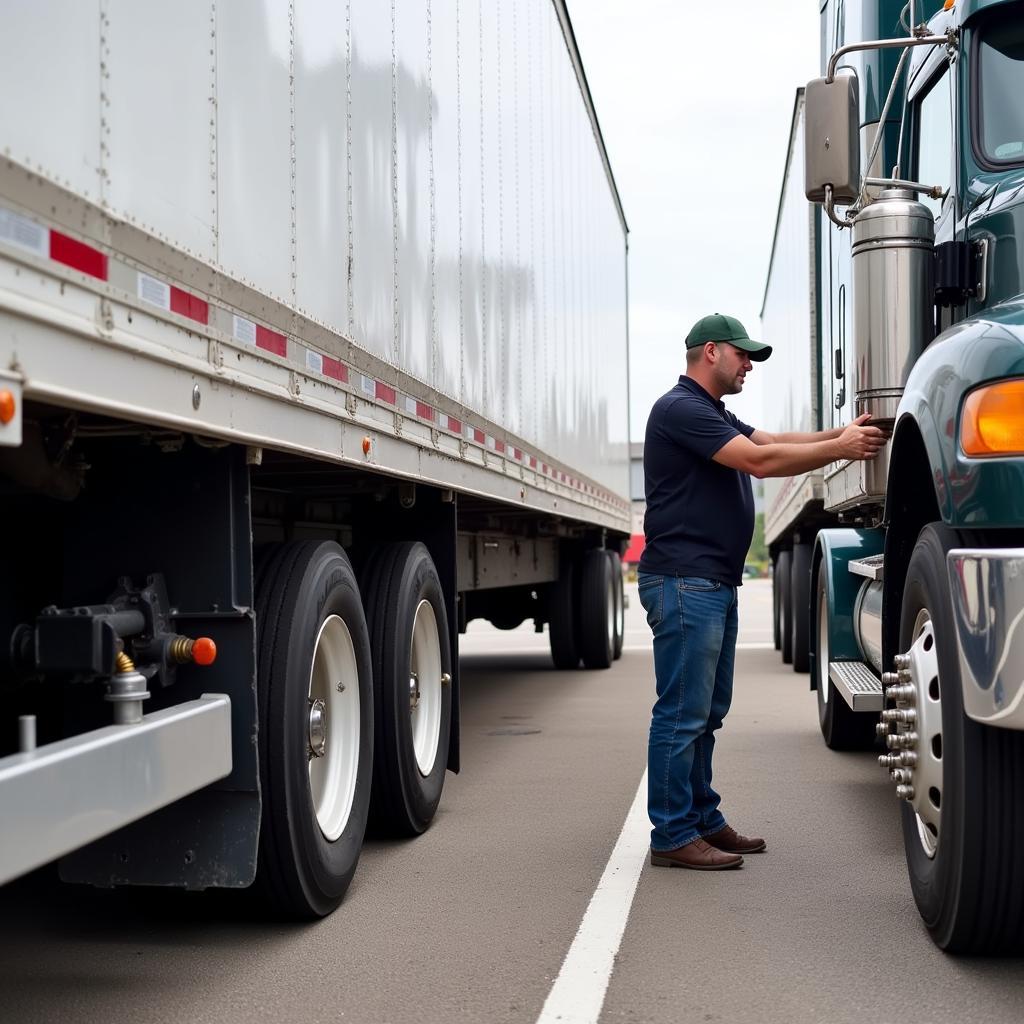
993 420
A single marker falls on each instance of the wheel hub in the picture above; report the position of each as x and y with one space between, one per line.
913 730
317 728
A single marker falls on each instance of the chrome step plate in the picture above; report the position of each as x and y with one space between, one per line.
871 567
857 685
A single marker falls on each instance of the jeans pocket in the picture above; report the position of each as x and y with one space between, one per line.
698 583
652 591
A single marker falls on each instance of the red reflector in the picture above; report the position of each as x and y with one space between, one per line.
454 426
271 341
499 446
424 411
518 453
384 393
189 305
336 369
533 462
478 436
78 255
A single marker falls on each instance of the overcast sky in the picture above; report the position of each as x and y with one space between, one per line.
695 102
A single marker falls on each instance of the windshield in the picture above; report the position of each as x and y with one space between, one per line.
1000 86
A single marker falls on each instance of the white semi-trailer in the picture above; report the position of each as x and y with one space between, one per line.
313 348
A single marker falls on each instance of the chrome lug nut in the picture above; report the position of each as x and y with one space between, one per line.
901 661
902 776
905 792
889 678
882 729
904 693
908 758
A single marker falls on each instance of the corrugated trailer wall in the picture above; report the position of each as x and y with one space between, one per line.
789 323
420 176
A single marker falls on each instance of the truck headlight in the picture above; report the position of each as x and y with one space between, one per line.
992 422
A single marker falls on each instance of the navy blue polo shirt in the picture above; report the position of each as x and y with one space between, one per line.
700 514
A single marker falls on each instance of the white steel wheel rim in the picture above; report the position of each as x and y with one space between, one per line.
924 670
334 680
824 655
425 697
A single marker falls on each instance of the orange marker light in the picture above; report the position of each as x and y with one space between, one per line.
993 420
204 651
8 406
366 445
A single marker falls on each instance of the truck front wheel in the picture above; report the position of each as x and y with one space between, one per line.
315 697
962 818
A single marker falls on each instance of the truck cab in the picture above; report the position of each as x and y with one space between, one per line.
915 153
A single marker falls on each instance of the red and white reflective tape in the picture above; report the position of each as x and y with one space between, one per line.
47 243
172 299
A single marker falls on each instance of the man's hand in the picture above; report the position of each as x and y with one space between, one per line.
859 441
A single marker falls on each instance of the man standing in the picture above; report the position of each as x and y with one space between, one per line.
698 459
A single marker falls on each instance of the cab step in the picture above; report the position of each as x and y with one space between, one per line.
857 685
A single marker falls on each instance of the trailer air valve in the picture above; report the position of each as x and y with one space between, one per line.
126 691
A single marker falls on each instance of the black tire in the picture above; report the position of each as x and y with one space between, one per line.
776 607
800 604
398 578
562 618
971 893
303 873
783 584
842 728
597 610
620 604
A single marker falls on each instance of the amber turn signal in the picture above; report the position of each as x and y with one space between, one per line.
993 420
8 407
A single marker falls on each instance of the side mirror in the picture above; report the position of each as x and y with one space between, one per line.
831 139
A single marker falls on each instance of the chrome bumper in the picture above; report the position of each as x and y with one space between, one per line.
66 794
987 588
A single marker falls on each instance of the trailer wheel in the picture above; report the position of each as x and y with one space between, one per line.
597 610
963 847
412 671
620 604
562 618
799 589
315 698
783 586
842 728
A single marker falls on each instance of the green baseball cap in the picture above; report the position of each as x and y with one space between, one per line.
718 327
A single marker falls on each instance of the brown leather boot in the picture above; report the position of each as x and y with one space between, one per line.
730 841
697 855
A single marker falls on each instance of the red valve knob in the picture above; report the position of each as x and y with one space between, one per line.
204 651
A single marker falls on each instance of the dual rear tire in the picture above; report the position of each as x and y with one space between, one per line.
586 611
354 694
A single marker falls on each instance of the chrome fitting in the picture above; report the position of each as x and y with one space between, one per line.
126 691
905 792
908 758
888 760
903 692
902 776
882 729
901 661
890 678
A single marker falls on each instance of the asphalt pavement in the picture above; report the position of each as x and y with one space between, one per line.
472 921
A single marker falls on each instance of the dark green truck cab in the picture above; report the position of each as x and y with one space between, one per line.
916 606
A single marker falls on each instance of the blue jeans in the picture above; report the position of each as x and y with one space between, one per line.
694 623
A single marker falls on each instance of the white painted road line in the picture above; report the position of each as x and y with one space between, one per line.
579 990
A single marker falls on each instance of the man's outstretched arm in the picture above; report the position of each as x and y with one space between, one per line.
779 458
795 437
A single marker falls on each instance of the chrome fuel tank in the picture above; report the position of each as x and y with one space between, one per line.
892 252
893 241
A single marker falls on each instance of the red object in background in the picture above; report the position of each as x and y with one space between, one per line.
635 549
